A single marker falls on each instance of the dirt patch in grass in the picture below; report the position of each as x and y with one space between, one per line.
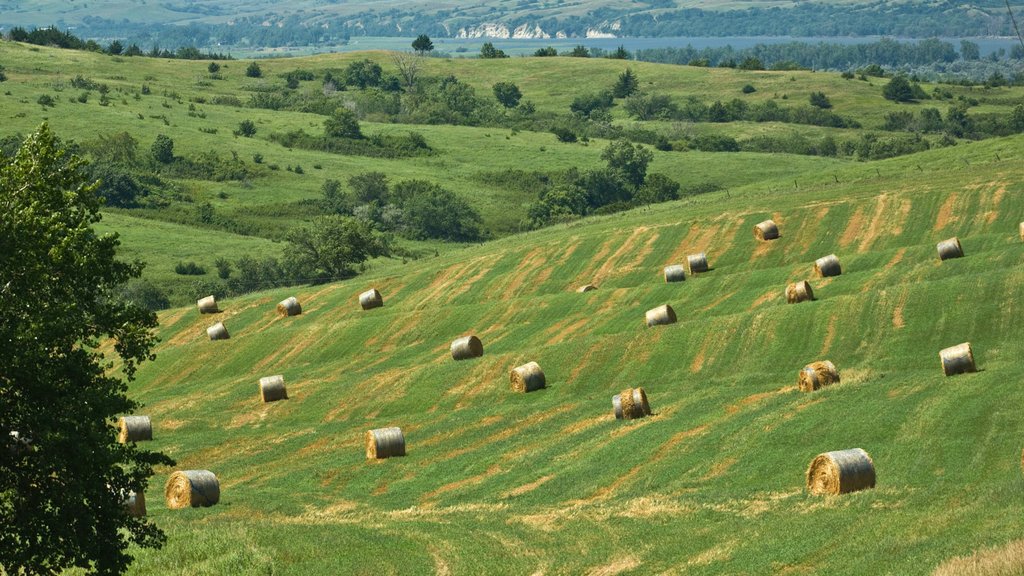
626 254
587 423
947 215
718 469
562 330
830 335
492 471
808 233
718 553
854 228
756 398
715 342
897 311
614 567
1006 560
527 488
717 302
467 284
487 375
764 299
587 276
530 263
449 435
585 361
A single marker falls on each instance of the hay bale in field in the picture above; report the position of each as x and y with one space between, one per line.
192 488
289 307
817 375
384 443
840 472
586 288
371 299
827 266
207 305
272 388
766 230
527 378
136 504
799 292
675 273
660 316
1021 230
134 429
950 249
467 347
631 403
697 263
958 359
218 332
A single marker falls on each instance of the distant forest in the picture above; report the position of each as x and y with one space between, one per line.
818 19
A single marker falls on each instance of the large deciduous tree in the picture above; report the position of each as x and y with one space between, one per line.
63 476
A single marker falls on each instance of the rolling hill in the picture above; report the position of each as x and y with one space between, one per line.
549 482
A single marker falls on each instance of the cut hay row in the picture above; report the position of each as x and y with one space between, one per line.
840 472
134 429
192 488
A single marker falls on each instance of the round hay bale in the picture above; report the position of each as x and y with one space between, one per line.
799 292
134 429
272 388
766 230
632 403
660 315
950 249
371 299
289 307
958 359
617 406
818 375
527 378
586 288
218 332
136 504
192 488
467 347
207 305
675 273
1021 230
697 263
384 443
840 472
827 266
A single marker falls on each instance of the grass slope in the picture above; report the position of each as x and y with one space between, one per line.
549 482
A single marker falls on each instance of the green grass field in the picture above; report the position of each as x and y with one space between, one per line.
549 482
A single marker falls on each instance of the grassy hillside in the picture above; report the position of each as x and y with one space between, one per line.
549 482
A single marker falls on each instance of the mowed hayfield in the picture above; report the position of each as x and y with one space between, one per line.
549 482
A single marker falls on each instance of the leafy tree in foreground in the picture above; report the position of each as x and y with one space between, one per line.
626 85
254 71
334 245
898 90
63 476
820 100
163 149
508 94
422 44
628 160
489 51
342 124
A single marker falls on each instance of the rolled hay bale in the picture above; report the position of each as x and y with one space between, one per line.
766 230
272 388
586 288
371 299
631 403
958 359
950 249
136 504
799 292
207 305
218 332
697 263
675 273
818 375
827 266
289 307
384 443
467 347
1021 230
840 472
192 488
134 429
527 378
660 316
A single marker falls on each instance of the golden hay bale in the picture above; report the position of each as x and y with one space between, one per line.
371 299
289 307
467 347
950 249
697 263
207 305
631 403
384 443
586 288
192 488
675 273
527 378
827 266
218 332
660 315
1021 230
136 504
134 429
840 472
272 388
957 359
799 292
766 230
817 375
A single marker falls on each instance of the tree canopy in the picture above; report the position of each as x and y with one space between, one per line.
64 478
